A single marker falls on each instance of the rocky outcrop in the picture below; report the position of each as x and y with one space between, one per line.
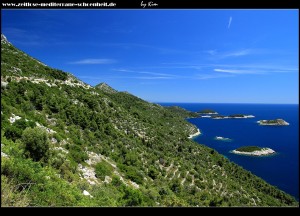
13 118
106 88
4 40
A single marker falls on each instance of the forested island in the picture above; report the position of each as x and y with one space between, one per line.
253 151
275 122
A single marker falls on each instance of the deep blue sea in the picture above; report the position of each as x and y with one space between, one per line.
281 169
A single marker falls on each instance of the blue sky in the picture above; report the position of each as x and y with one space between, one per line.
210 56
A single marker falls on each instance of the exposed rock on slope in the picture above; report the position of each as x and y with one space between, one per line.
106 88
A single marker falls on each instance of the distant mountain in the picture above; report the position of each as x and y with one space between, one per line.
66 143
106 88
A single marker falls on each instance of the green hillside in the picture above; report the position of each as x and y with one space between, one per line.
66 143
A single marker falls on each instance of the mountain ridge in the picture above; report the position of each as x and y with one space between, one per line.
106 88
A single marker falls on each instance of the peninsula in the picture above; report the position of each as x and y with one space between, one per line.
276 122
232 116
253 151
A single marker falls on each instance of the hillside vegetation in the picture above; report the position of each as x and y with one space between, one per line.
66 143
248 148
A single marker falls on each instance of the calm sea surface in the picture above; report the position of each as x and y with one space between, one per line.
282 169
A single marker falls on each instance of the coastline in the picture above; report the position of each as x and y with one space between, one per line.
262 152
209 113
259 165
235 117
195 134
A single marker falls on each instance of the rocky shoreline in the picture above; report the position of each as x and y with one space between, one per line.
195 134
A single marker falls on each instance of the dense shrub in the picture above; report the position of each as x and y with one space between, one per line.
132 197
12 132
103 169
78 154
36 143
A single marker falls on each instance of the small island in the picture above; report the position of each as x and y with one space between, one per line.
219 117
253 151
232 116
222 138
207 112
275 122
241 116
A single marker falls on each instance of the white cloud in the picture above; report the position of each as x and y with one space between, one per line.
155 74
233 71
94 61
153 77
211 52
191 71
124 70
267 68
237 53
214 54
211 76
229 23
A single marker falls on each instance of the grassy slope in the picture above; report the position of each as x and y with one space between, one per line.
149 159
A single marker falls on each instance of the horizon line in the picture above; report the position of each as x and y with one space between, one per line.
226 103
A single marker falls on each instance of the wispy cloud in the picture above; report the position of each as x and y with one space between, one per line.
154 77
143 72
94 61
159 49
229 22
214 54
211 52
148 74
211 76
236 53
191 71
123 70
23 37
232 71
267 68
